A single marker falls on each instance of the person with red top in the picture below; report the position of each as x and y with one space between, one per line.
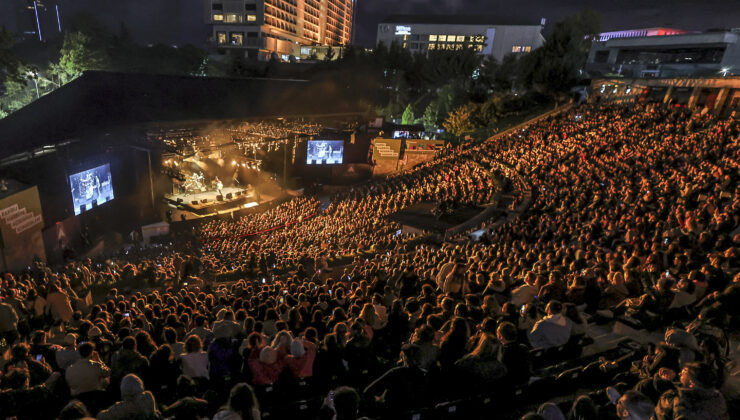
301 358
267 368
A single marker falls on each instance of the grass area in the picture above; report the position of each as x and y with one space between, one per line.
516 119
512 120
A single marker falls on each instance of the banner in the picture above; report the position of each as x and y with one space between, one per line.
386 149
21 222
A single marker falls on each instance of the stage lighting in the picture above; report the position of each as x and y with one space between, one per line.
233 162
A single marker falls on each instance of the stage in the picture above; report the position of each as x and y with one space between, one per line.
211 202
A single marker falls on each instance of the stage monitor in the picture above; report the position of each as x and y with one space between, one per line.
325 152
91 188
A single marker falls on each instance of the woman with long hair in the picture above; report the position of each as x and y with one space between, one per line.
452 346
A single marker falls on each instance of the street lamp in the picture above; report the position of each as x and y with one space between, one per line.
33 75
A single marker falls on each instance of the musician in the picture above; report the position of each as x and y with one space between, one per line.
219 185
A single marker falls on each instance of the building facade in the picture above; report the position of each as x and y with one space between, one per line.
719 95
486 35
284 29
663 52
37 20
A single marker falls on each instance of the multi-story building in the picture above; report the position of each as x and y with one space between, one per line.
33 19
286 29
664 52
488 35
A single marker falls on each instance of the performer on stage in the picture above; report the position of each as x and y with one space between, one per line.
219 185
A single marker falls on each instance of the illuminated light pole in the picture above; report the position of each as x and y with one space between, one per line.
38 23
34 76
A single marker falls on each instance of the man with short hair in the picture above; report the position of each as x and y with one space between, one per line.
552 330
696 398
87 375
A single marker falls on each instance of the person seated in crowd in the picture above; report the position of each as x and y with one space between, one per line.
88 378
513 355
128 360
242 404
19 399
391 390
67 355
553 330
695 397
301 358
136 403
8 322
633 405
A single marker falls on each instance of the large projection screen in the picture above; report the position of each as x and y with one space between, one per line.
325 152
91 188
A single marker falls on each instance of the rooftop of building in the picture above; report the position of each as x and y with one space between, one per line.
462 20
106 100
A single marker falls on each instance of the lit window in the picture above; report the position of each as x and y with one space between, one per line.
218 17
233 18
237 38
479 48
405 45
460 38
443 38
458 46
432 38
479 38
251 18
527 49
432 46
221 38
516 49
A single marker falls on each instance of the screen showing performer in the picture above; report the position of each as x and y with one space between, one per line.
92 187
325 152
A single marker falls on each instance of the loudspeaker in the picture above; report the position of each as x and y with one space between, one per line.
179 200
229 196
220 197
205 200
194 202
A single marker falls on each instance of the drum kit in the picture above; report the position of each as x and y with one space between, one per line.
194 183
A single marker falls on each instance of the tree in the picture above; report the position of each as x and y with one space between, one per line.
79 53
408 115
431 116
461 120
9 62
556 66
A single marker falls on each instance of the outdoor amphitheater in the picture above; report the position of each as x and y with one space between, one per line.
583 265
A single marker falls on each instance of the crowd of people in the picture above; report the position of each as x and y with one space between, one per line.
634 221
291 212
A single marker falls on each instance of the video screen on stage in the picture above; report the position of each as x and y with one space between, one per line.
91 188
325 152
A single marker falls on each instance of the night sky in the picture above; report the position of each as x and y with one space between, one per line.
181 21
